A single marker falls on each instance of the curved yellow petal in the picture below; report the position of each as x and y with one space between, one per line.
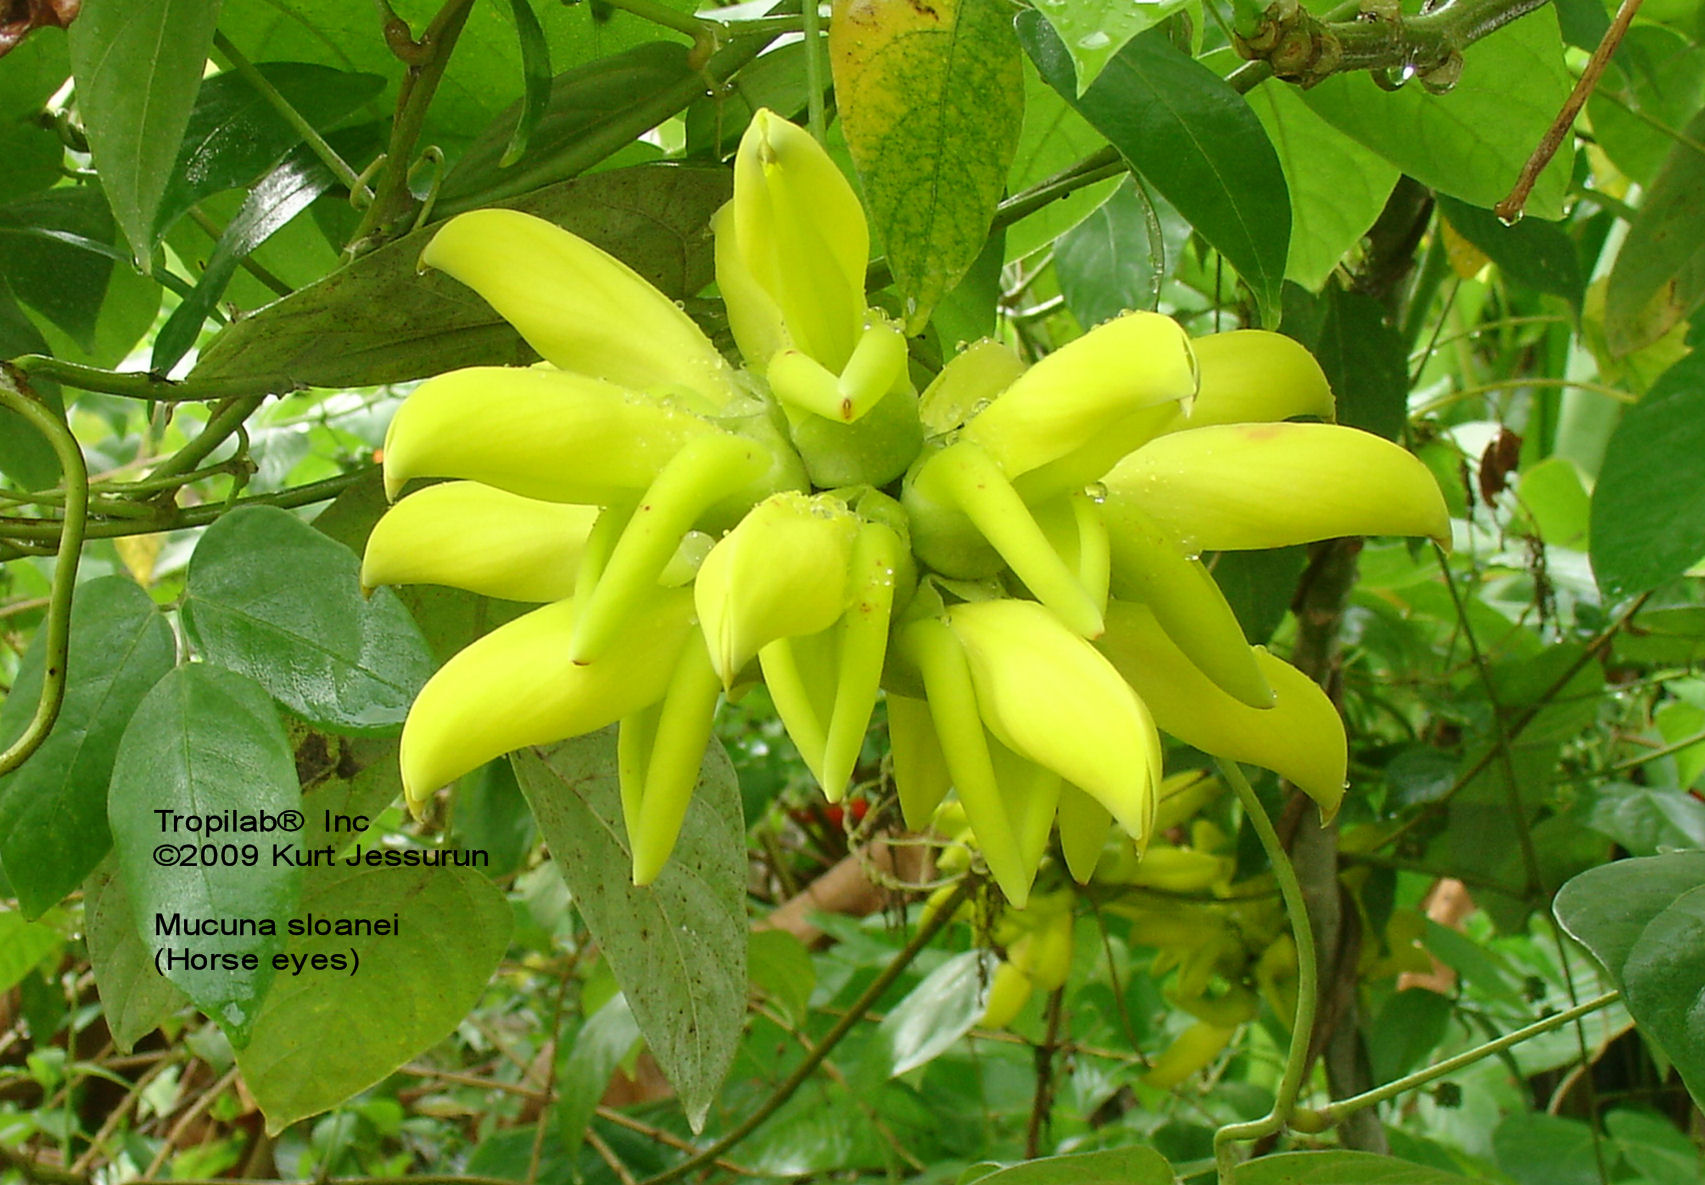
783 571
580 307
920 767
486 540
1085 388
538 433
1051 697
1084 827
1300 737
1253 376
976 374
517 686
1233 487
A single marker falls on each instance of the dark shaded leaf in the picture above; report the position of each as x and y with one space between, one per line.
1533 253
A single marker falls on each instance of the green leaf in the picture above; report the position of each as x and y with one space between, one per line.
1658 279
1606 909
1653 85
56 255
1648 509
379 321
23 944
535 79
1337 186
53 808
1134 1165
1645 819
1411 1024
1194 139
1365 361
1664 985
781 969
606 1038
1654 1148
677 946
1106 263
235 134
206 742
492 814
1054 137
275 599
1259 586
1093 31
1533 253
1340 1168
26 458
280 196
936 1013
138 66
1546 1150
35 69
1471 142
930 98
135 998
329 1031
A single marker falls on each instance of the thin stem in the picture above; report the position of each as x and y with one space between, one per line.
814 71
1308 986
226 420
927 930
298 123
136 384
1315 1119
670 18
1511 207
76 476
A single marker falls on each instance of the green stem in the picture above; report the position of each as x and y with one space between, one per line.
814 71
670 18
136 384
1308 988
927 930
310 135
226 419
1316 1119
76 472
392 199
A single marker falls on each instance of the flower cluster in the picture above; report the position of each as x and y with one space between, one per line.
1011 555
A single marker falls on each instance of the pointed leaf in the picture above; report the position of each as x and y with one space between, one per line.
1607 909
1095 30
1659 276
138 66
394 995
931 97
53 808
35 69
205 742
57 257
1193 138
341 661
1664 983
535 79
135 998
936 1013
602 1043
1648 508
678 945
1533 253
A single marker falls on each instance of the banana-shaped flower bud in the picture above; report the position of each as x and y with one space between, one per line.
1089 393
801 237
538 433
581 308
1233 487
1051 697
518 686
781 572
1300 736
1253 376
1191 1051
486 540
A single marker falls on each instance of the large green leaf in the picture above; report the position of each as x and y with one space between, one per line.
1340 1168
1135 1165
380 321
206 744
23 944
931 99
1193 138
1653 86
1534 253
347 1009
1648 508
277 600
56 255
1546 1150
1659 276
1471 142
135 998
1106 263
1644 919
1337 186
678 945
1645 819
35 69
1054 137
235 134
1094 30
138 66
53 808
1365 361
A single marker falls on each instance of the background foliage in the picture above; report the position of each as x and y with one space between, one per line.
209 220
